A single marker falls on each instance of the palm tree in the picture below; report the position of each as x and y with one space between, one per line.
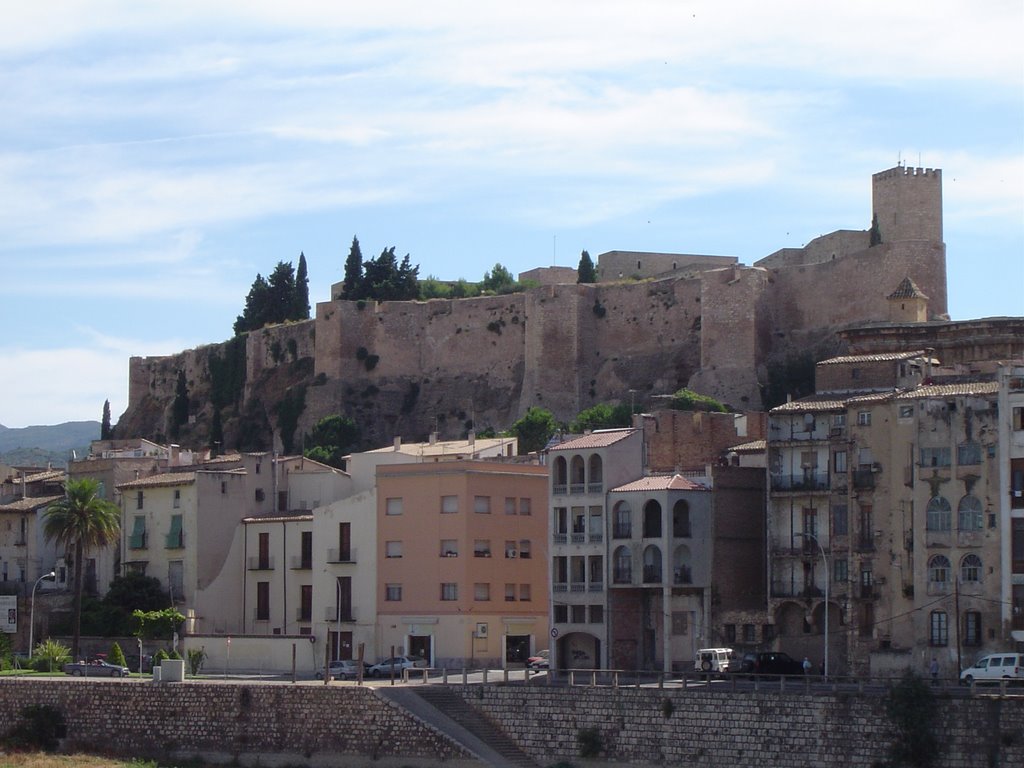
81 521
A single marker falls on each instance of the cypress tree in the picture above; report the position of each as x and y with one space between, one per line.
301 309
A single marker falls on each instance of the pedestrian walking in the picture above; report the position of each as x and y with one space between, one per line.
807 666
933 669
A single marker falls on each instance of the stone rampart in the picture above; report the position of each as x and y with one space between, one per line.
350 725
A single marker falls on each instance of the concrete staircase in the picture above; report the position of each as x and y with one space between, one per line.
438 706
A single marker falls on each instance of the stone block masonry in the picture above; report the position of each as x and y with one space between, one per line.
321 725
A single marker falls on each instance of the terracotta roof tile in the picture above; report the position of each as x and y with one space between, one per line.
950 390
30 504
601 438
752 447
165 479
880 357
280 517
907 290
661 483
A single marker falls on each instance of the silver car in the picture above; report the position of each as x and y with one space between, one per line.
95 669
398 663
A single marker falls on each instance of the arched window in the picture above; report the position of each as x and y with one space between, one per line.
652 565
938 570
652 520
622 522
681 520
576 475
596 479
682 572
970 569
560 472
622 568
969 513
939 514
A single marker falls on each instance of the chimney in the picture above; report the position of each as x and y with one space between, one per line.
398 444
471 437
433 438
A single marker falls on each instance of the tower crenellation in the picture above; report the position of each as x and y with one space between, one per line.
907 202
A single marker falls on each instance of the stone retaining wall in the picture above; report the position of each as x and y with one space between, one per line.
349 725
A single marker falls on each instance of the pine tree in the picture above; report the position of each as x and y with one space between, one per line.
351 287
252 316
300 310
106 433
585 272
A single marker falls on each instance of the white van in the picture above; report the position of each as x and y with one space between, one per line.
995 667
712 660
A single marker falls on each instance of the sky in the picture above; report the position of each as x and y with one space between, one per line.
156 157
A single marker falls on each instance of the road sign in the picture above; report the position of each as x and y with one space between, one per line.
9 613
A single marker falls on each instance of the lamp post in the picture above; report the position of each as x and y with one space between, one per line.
32 608
828 578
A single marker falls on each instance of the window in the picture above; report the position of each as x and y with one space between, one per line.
906 412
841 570
524 549
481 592
935 457
749 633
482 548
968 453
652 520
560 613
730 633
623 522
177 498
510 593
938 628
259 494
524 593
623 566
344 542
137 539
972 628
939 514
263 551
839 461
969 513
306 602
840 520
262 601
578 614
449 548
138 500
681 519
393 593
524 507
176 536
1018 418
176 579
223 486
449 591
392 549
596 614
482 505
839 420
393 506
938 571
306 547
864 418
510 506
511 550
449 505
970 569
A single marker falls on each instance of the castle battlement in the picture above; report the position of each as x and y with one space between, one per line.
906 171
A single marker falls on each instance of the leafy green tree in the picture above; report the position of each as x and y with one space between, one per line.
585 272
498 280
688 400
116 655
179 410
156 625
106 433
135 591
351 286
300 298
81 521
534 429
385 279
602 416
255 306
332 438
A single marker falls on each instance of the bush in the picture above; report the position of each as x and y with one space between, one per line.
159 656
116 656
50 656
40 727
196 658
688 400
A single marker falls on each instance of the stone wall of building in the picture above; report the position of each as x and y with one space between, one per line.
694 439
339 724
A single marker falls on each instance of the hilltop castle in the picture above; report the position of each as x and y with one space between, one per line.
652 324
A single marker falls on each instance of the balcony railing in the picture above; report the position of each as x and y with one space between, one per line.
682 575
596 586
622 576
808 481
300 563
331 613
21 541
595 487
622 531
304 615
577 489
341 555
652 574
258 563
560 586
559 538
784 589
578 586
558 489
863 479
578 538
596 538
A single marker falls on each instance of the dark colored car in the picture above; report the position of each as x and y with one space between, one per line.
95 669
776 663
744 664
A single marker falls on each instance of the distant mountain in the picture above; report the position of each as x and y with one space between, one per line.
40 445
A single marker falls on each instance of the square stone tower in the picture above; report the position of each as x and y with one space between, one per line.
908 203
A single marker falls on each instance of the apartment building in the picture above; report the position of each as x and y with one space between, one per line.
25 554
1011 497
461 555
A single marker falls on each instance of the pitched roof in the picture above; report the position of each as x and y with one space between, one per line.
879 357
290 516
600 438
950 390
29 504
907 290
828 401
661 483
165 479
753 446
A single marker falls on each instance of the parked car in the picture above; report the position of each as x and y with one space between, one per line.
712 660
95 668
398 663
540 661
994 668
343 669
776 663
744 664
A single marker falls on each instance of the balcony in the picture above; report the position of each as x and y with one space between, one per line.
622 531
622 576
20 541
596 538
652 574
558 490
789 589
595 487
559 538
577 489
260 563
863 479
332 614
341 555
300 563
806 481
683 575
304 615
137 541
559 586
578 538
596 586
578 586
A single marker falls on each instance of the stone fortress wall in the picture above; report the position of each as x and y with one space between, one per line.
708 322
352 725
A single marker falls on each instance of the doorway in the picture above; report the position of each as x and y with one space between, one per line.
420 645
517 649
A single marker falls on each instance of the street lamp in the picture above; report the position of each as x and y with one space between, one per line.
828 578
32 608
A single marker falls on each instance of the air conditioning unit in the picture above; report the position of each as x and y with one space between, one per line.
481 630
513 554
